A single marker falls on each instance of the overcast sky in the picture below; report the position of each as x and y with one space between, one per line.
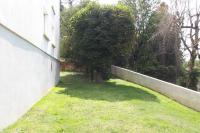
108 1
167 1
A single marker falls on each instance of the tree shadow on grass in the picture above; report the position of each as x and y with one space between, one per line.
75 85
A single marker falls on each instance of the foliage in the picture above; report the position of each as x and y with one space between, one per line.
194 76
66 15
99 34
156 53
139 35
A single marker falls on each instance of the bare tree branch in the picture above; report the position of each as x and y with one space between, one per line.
185 44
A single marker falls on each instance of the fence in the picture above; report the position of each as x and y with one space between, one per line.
180 94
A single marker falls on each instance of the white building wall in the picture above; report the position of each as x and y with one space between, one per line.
26 18
28 67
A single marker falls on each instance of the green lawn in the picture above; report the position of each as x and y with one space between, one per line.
116 106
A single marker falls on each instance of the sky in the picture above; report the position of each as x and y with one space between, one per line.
108 1
115 1
166 1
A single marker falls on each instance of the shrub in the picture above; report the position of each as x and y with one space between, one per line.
99 35
182 80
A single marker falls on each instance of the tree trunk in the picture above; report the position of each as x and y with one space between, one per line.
98 77
91 74
191 68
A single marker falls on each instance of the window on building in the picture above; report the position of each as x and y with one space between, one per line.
53 10
53 49
51 66
46 25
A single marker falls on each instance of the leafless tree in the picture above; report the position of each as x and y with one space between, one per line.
188 19
185 21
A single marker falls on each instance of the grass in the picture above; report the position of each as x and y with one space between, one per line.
116 106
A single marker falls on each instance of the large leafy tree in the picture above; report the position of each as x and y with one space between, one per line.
156 52
100 34
66 33
142 11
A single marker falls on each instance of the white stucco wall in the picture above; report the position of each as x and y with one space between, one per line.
26 18
180 94
28 68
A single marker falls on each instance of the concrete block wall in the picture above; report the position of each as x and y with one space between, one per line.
180 94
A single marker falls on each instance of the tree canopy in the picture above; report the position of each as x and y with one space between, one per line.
100 34
141 35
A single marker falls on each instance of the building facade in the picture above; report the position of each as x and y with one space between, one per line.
29 53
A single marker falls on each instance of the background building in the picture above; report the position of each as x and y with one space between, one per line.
29 52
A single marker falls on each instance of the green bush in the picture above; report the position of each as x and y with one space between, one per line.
184 77
99 34
162 72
